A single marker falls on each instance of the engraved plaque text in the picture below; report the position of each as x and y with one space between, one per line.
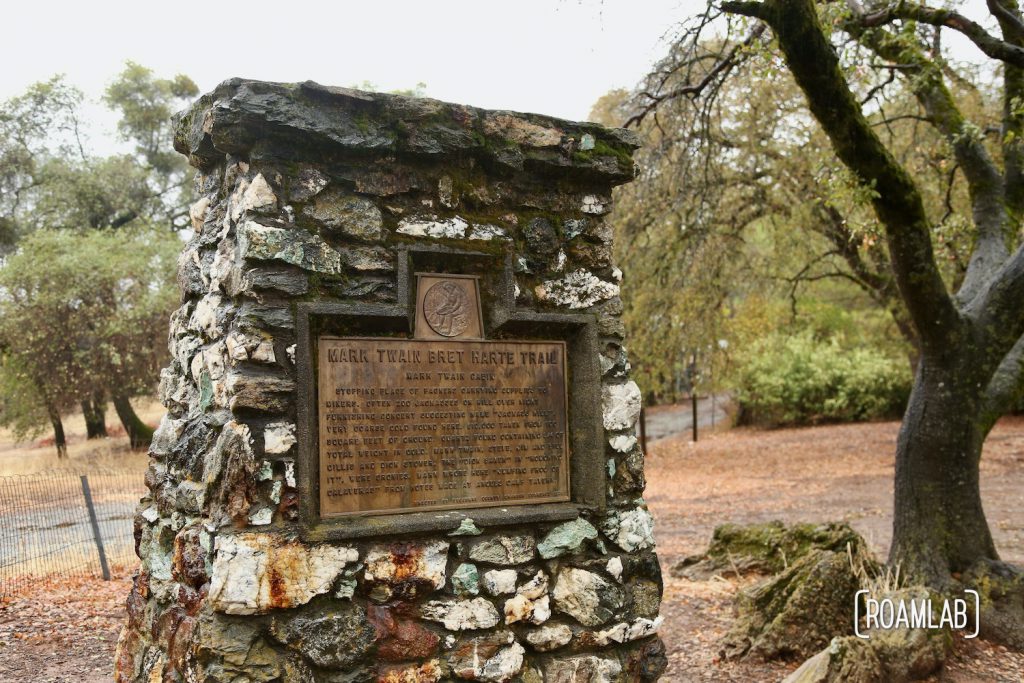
412 425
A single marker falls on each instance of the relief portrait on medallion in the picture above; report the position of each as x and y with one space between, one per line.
447 308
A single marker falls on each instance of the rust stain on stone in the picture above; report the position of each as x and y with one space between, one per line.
189 559
647 661
180 646
285 565
191 598
137 600
128 645
289 506
400 639
407 560
278 593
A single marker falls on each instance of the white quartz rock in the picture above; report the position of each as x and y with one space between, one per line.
621 405
405 562
500 581
278 437
462 615
578 289
255 573
432 226
549 638
630 530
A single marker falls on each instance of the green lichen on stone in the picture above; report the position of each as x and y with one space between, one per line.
895 655
266 471
466 579
566 539
346 589
1001 592
205 390
623 158
382 124
798 611
466 528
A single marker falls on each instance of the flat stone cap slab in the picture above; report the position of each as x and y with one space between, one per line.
296 120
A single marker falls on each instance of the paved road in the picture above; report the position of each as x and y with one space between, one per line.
665 421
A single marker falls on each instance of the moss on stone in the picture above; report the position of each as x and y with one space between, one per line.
623 157
766 548
797 612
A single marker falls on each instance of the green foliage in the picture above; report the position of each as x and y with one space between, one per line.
22 408
146 104
40 125
803 379
81 314
48 179
741 207
87 287
95 193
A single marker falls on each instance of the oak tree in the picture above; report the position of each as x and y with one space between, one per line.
968 324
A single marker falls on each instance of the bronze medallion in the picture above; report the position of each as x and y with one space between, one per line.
447 308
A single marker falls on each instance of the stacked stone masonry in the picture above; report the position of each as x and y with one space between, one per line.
311 194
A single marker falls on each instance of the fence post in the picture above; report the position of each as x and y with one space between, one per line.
643 429
95 528
693 402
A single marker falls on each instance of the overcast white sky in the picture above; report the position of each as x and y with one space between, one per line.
550 56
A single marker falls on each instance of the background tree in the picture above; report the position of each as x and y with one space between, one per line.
50 181
35 128
968 323
742 207
84 314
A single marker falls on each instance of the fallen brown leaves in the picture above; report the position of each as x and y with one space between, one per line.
62 631
65 632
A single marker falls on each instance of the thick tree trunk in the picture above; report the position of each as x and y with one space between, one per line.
95 413
58 432
139 433
939 525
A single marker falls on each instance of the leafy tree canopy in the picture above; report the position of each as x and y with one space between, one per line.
87 243
920 199
81 313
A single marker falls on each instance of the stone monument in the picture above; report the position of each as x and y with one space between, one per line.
399 443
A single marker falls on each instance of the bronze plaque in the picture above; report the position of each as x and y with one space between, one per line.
411 425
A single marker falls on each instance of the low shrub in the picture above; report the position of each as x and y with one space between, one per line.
800 379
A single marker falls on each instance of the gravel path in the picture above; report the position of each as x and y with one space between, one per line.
676 420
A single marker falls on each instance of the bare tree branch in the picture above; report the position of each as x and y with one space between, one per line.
984 179
1012 132
1009 20
1006 388
719 71
975 32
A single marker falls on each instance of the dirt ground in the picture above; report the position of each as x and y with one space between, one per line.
63 632
66 633
803 475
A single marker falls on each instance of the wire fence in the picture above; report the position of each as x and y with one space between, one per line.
63 523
